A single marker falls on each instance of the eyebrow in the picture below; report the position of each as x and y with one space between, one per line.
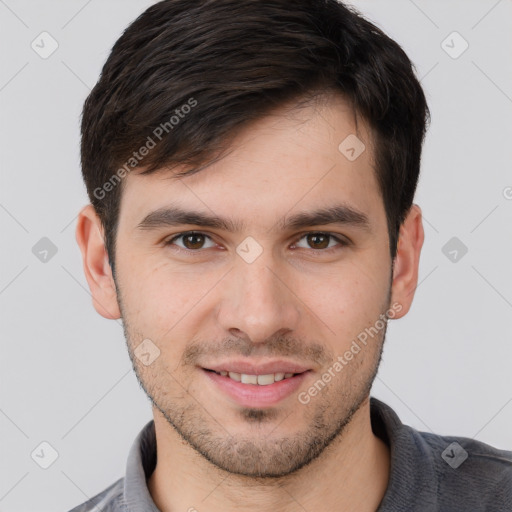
175 216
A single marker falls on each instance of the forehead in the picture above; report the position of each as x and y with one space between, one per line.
294 158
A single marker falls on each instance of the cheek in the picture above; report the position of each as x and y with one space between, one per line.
347 299
163 303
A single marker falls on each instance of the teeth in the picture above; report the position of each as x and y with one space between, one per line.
249 379
265 380
261 380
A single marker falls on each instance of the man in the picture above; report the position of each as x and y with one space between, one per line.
251 167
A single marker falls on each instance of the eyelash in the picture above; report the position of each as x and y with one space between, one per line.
341 242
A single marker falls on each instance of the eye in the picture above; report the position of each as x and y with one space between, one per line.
191 240
322 241
194 241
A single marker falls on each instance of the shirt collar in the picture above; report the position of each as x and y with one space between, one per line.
141 463
412 481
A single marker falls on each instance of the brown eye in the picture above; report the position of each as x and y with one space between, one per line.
318 240
191 241
323 242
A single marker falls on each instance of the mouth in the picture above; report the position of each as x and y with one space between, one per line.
259 387
258 380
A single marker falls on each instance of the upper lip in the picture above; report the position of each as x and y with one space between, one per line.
253 368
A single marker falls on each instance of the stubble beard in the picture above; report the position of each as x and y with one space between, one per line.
261 457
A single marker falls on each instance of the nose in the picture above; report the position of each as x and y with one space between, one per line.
258 301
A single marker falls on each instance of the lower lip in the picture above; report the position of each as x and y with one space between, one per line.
254 395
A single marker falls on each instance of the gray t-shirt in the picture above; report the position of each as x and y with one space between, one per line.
429 472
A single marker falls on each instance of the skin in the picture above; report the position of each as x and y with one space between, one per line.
295 301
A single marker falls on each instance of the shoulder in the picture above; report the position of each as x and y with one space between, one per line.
471 475
109 500
433 472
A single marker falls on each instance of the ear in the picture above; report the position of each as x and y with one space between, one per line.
89 236
405 272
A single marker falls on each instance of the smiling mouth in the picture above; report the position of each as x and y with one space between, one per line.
258 380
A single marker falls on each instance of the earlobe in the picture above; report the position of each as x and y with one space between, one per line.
405 271
89 236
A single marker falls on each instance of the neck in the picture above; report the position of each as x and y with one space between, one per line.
351 474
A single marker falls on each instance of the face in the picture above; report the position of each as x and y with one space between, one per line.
275 288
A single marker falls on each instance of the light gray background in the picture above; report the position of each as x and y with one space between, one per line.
65 374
